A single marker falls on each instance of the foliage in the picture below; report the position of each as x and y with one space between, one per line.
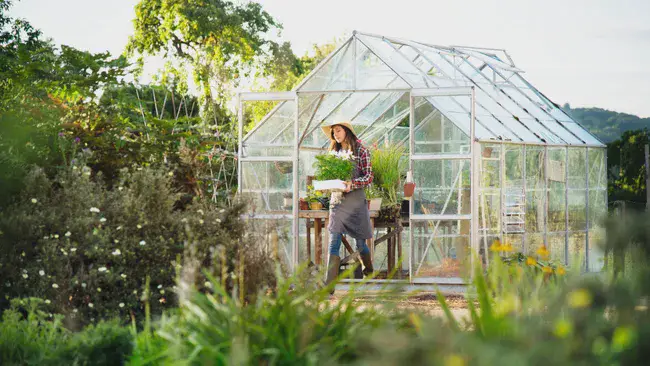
39 338
388 167
219 39
607 125
334 166
87 249
372 191
626 166
293 325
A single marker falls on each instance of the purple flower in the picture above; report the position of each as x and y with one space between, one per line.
61 134
77 140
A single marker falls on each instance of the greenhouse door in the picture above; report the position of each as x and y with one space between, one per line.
442 210
268 174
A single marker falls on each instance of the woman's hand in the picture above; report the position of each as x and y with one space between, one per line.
348 186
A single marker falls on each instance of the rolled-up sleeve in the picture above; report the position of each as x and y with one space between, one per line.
365 169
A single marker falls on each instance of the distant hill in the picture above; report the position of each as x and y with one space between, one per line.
606 125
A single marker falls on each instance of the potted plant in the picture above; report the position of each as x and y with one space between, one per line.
374 197
314 198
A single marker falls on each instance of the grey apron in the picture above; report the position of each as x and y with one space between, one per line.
351 216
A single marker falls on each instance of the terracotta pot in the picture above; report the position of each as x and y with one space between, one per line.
315 205
304 205
409 189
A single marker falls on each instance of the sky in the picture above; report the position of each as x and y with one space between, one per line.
589 53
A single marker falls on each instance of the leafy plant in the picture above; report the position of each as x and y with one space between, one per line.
388 167
334 166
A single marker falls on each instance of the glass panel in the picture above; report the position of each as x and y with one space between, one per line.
441 248
596 254
534 241
535 192
597 169
336 74
396 61
577 208
442 187
435 133
577 253
557 189
514 162
373 73
384 106
265 184
577 168
557 247
489 213
275 237
597 208
313 137
274 128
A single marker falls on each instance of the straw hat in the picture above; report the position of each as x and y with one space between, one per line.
327 130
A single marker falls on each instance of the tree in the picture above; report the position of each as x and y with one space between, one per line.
218 39
626 163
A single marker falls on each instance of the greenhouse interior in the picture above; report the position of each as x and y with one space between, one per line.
496 164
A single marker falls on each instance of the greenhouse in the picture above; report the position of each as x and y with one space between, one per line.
495 162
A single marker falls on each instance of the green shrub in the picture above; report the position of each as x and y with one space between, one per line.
87 249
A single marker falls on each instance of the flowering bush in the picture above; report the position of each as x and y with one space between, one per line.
335 165
87 250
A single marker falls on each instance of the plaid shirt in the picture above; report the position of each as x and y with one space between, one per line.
365 167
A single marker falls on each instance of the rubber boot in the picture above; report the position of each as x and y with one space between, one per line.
333 265
366 260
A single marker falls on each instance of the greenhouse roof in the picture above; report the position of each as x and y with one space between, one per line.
368 74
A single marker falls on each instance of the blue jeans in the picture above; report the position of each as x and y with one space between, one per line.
335 244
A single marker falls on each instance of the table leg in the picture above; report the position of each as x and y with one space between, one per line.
307 221
371 241
318 241
389 251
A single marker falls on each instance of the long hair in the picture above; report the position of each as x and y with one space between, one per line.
350 140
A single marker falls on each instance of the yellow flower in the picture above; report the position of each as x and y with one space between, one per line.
543 252
563 328
580 298
496 246
531 261
508 248
454 360
560 271
547 269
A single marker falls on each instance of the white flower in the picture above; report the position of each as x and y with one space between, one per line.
83 284
162 292
56 236
34 200
67 234
120 188
159 286
123 275
99 289
47 301
207 284
139 226
102 269
103 219
222 211
135 292
170 174
121 304
25 275
218 220
90 305
41 272
22 254
184 219
73 249
116 241
94 209
75 310
119 228
142 242
54 285
200 211
201 222
116 252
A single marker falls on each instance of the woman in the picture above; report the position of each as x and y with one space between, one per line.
351 215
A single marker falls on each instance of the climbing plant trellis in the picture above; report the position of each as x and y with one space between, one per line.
493 158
